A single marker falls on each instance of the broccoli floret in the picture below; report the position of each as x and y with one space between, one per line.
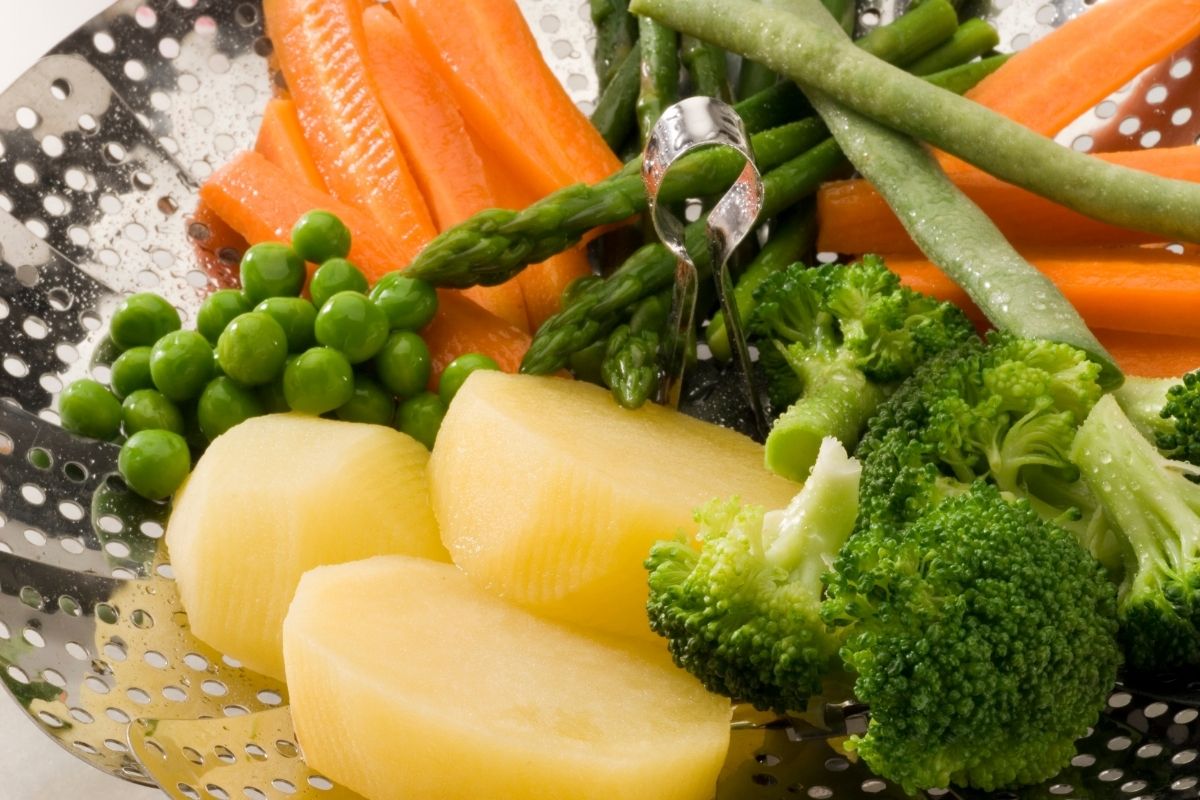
1181 438
1156 510
742 614
835 341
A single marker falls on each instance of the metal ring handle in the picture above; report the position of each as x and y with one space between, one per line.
701 122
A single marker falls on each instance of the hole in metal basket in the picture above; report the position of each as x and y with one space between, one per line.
27 118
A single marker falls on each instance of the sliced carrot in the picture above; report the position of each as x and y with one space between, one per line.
461 326
855 219
1127 289
506 92
321 49
218 248
281 140
262 202
1050 83
1149 355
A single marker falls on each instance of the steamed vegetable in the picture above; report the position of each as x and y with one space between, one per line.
706 65
973 38
615 115
1179 435
281 141
659 86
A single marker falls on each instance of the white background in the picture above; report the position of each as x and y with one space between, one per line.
31 766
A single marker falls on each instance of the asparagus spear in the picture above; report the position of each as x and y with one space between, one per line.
614 115
973 38
660 73
616 31
630 367
706 64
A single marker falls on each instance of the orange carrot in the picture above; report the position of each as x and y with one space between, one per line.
281 140
1128 289
218 248
461 327
855 219
1149 355
262 202
322 53
506 92
1050 83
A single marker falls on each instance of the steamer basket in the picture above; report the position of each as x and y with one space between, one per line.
103 144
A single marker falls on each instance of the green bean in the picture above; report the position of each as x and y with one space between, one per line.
615 111
660 73
973 38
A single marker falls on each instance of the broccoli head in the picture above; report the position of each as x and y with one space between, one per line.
743 613
1156 510
982 637
1181 438
835 340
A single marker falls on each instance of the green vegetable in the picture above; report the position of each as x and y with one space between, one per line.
588 364
457 371
317 381
154 463
847 335
252 349
141 320
409 304
351 323
272 398
616 31
271 269
706 64
817 59
181 363
149 410
964 77
319 236
753 78
972 39
87 408
131 371
296 316
578 287
218 310
1181 411
659 75
369 404
630 367
614 116
982 638
333 277
421 417
1144 399
743 613
225 403
403 364
1156 510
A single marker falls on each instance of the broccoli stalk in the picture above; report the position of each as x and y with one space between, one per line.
743 613
835 341
1157 510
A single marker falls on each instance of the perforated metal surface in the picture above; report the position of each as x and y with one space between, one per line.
102 147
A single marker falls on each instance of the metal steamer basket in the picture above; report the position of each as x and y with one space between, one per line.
103 144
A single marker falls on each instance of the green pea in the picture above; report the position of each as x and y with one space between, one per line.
181 363
408 303
318 380
319 236
271 395
351 323
224 404
296 316
403 364
333 276
252 349
131 371
218 310
87 408
457 372
421 417
141 320
150 410
370 404
154 463
271 269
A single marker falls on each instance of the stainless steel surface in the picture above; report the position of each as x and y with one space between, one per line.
101 148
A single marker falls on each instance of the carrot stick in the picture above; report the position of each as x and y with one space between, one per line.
1129 289
218 248
855 219
1149 355
281 141
461 327
321 49
434 138
505 91
262 202
1050 83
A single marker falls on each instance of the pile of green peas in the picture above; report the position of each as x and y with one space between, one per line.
351 353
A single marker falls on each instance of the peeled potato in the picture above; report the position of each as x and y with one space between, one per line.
551 495
276 496
408 680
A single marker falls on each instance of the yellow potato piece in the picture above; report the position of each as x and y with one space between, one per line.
408 680
276 496
550 494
